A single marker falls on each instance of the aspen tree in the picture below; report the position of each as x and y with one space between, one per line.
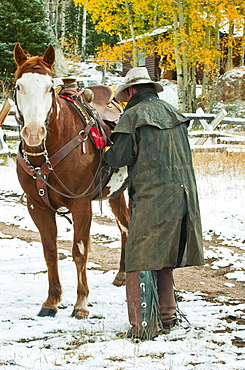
192 43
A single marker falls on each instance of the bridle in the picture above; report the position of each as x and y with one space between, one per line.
19 117
40 174
20 120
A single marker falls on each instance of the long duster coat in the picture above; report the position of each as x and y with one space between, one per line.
151 138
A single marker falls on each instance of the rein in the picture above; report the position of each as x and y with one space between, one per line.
40 174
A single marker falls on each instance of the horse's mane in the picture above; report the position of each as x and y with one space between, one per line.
30 65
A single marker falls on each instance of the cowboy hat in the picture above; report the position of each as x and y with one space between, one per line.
136 76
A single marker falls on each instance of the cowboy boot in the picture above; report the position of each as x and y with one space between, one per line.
142 302
166 297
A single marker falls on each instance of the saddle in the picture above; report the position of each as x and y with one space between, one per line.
105 103
100 111
97 102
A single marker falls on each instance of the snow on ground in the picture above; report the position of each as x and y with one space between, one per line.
31 342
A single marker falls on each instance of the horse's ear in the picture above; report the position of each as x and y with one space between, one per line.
19 55
49 56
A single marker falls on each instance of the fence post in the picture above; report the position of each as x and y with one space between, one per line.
8 104
212 126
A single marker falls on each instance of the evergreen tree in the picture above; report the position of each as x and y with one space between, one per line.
93 38
21 21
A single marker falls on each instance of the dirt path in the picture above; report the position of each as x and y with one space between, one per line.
194 279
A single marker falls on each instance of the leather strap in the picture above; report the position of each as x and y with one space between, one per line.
40 173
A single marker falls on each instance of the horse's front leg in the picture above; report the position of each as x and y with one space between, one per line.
44 219
122 214
82 216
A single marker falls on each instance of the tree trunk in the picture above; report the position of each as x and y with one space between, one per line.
205 79
131 28
192 104
217 47
243 45
84 30
47 9
56 19
178 62
209 93
62 26
230 47
186 73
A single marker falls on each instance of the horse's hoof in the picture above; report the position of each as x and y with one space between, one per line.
47 311
119 279
79 314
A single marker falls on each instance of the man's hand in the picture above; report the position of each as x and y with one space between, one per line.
106 148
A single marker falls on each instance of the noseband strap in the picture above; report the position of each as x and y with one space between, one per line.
56 158
40 173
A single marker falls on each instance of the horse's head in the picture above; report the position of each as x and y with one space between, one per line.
33 93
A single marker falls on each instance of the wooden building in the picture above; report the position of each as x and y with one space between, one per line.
152 62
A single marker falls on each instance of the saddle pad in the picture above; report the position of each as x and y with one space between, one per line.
97 138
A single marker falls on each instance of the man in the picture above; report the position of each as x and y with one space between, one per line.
151 138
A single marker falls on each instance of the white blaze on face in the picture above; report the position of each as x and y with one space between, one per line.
34 100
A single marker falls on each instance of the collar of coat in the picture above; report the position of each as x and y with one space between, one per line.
144 94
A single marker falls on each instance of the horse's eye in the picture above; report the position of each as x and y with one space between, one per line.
18 87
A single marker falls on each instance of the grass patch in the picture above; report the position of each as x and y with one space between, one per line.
223 271
115 359
216 163
238 342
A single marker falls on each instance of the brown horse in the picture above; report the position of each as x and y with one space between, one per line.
57 166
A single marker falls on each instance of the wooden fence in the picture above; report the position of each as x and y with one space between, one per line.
211 137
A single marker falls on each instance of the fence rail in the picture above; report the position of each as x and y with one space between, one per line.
207 139
210 139
209 117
